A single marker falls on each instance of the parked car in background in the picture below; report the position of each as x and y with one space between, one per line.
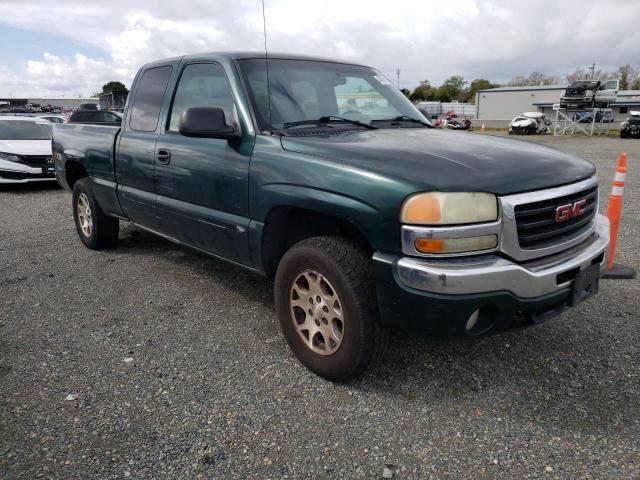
530 123
19 109
25 150
53 118
631 126
89 106
589 93
368 219
587 117
97 117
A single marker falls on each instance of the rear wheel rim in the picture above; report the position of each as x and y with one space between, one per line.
84 215
316 312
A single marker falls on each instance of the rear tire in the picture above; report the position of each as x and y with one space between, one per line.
95 229
327 308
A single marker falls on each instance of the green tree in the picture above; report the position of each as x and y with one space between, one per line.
406 91
476 85
453 88
423 92
627 75
115 87
535 78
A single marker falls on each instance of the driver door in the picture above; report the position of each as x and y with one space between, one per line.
202 183
607 93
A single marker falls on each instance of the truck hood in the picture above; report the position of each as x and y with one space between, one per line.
449 161
26 147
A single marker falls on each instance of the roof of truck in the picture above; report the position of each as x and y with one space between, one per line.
255 54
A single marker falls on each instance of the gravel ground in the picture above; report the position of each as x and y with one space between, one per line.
150 361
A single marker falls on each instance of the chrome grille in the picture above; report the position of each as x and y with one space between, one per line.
551 239
536 224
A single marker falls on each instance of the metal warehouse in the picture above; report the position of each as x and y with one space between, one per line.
68 103
501 104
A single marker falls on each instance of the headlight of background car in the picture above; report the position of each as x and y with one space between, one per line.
440 209
8 157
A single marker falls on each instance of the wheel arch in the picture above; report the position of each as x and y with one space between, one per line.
74 171
286 225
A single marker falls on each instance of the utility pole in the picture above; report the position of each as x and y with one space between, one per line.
593 71
398 75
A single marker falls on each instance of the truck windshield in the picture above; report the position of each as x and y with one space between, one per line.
305 93
24 130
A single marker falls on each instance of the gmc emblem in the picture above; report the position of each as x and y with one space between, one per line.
571 210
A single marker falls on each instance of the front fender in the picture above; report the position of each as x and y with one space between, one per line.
366 200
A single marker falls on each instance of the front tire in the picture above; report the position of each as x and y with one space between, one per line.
327 308
95 229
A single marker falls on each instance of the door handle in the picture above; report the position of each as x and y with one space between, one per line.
163 156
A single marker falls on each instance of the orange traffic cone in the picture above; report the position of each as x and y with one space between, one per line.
482 128
614 212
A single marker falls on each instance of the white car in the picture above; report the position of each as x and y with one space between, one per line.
529 123
53 118
25 150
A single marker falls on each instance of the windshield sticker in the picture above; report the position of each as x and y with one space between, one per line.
382 80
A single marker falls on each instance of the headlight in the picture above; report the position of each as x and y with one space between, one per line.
440 208
9 157
456 245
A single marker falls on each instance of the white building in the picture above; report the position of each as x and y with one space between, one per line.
499 105
65 103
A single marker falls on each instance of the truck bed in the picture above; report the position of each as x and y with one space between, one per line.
92 148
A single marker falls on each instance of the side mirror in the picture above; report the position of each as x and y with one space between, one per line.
206 122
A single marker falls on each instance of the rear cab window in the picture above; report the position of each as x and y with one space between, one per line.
147 102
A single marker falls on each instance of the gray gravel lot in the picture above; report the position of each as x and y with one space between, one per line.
150 361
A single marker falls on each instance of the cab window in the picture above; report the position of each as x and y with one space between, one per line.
145 108
201 85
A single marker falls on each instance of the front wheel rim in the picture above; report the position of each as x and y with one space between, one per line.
316 312
84 215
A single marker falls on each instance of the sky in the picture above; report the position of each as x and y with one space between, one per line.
73 47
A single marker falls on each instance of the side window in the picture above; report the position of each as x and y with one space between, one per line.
147 101
612 85
83 117
201 85
110 117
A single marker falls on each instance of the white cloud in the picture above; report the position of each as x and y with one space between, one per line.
426 40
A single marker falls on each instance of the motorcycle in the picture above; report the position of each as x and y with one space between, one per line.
454 124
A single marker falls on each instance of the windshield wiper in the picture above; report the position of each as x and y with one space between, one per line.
327 119
403 118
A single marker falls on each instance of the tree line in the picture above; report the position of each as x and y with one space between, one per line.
456 88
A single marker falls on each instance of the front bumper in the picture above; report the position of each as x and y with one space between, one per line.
491 272
440 294
14 172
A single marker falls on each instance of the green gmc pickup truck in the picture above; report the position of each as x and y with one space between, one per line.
322 176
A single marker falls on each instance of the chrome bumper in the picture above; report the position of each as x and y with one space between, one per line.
492 272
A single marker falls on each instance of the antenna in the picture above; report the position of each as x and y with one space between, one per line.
266 61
